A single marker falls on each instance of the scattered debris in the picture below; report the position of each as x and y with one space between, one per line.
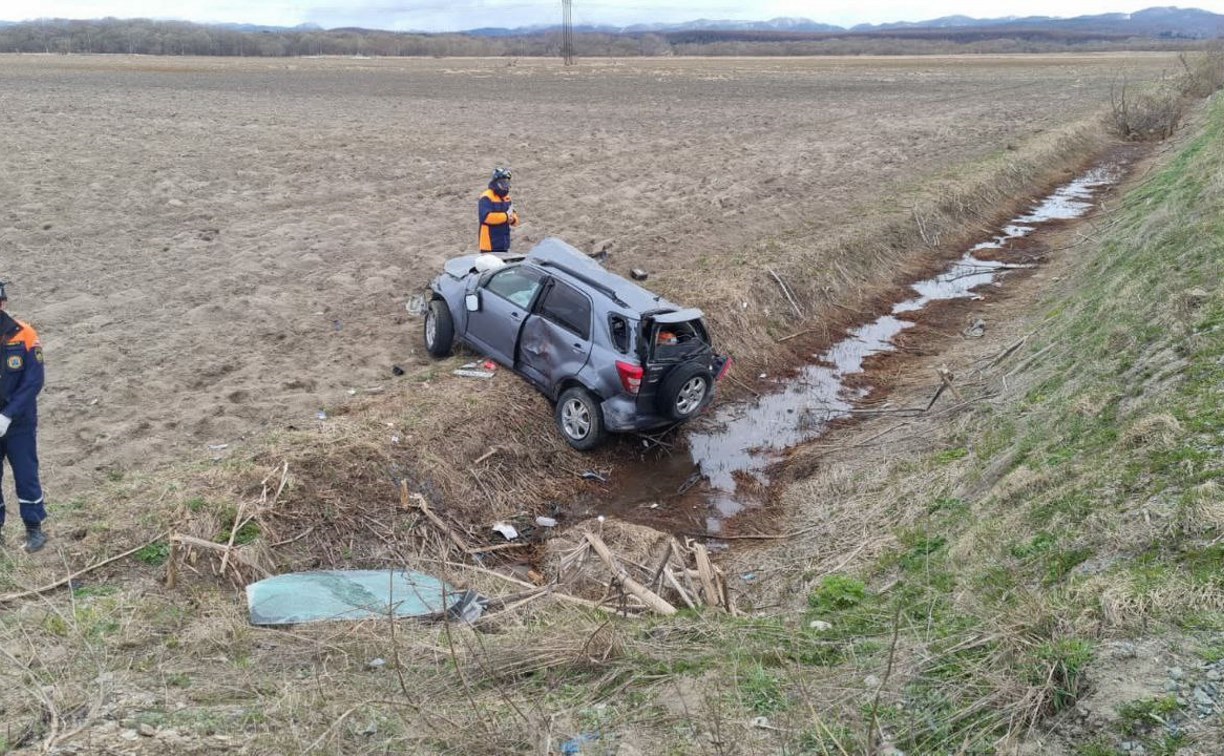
376 663
416 304
593 475
409 500
321 415
761 723
787 291
690 481
976 329
637 274
546 522
651 571
507 531
462 373
470 607
820 626
573 746
396 370
217 447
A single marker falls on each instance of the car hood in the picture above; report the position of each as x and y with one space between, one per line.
458 267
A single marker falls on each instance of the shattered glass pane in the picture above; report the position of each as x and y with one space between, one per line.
347 595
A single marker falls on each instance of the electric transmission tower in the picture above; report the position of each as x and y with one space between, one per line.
567 31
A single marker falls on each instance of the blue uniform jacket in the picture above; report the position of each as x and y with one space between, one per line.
496 218
21 372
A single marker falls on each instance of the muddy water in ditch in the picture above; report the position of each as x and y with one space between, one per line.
725 469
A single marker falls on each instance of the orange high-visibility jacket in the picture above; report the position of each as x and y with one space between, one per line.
496 218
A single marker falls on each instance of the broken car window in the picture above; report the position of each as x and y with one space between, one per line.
618 327
676 339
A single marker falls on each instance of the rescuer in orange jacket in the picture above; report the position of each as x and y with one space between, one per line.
21 378
496 213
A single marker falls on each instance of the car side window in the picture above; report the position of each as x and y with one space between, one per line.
618 328
568 308
515 284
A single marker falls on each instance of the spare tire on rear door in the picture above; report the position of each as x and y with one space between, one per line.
685 390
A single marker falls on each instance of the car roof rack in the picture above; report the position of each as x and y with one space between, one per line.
602 288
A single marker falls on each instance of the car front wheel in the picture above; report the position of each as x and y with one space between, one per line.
579 419
439 329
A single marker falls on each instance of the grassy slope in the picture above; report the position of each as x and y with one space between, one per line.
1085 506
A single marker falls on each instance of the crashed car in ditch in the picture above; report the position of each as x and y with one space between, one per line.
612 356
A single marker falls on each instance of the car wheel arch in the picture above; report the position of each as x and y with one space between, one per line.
565 384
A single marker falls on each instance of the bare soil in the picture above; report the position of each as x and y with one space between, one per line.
213 249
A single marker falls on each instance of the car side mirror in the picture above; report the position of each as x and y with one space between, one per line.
472 302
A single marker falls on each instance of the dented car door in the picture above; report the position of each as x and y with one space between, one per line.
555 342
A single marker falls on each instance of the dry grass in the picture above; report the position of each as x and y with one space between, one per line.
1157 431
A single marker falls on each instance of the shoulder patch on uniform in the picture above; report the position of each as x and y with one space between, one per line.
38 354
15 362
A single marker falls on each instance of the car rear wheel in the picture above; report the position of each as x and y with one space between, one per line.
685 391
439 329
579 419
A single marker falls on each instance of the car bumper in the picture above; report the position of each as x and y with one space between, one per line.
622 414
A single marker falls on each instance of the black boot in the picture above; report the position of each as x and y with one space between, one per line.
35 538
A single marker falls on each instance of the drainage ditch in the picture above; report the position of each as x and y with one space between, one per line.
725 471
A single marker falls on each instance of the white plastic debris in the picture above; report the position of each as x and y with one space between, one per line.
472 373
546 522
820 625
508 532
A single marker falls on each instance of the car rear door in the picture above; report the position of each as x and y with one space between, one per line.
556 339
505 299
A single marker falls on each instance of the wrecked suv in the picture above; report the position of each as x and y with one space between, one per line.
612 356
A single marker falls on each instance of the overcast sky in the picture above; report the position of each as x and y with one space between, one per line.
455 15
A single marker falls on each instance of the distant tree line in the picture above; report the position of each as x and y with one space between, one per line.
147 37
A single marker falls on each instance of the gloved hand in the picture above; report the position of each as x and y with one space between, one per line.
5 421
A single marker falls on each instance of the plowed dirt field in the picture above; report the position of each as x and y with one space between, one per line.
215 248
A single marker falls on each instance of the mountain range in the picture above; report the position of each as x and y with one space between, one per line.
1152 22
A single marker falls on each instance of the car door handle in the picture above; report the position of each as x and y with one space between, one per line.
514 314
578 346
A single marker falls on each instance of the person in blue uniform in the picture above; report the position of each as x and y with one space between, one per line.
21 379
496 213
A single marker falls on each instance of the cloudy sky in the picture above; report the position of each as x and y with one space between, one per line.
454 15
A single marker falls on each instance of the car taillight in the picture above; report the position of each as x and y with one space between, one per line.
630 376
726 367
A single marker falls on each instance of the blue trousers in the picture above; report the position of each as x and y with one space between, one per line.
20 447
